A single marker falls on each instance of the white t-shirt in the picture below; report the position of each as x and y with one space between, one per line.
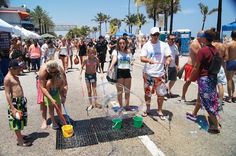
123 59
43 49
157 53
174 52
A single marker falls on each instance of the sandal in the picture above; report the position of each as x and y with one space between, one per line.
89 108
145 114
213 131
24 144
161 116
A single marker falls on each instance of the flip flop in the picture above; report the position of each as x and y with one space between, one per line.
213 131
145 114
24 144
161 116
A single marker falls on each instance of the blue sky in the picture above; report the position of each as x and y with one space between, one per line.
81 12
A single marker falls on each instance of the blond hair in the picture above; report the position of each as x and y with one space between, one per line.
52 64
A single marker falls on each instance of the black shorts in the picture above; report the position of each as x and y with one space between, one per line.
172 73
123 73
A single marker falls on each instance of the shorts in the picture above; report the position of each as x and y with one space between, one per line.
55 97
231 65
221 78
20 103
90 78
39 92
151 85
123 73
172 73
188 70
208 93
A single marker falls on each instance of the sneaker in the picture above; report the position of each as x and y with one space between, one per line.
191 117
54 126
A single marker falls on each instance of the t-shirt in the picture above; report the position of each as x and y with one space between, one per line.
174 54
204 57
156 52
123 59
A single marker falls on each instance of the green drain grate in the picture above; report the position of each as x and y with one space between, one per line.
95 130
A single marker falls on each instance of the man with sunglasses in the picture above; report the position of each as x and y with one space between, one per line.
46 72
155 54
174 65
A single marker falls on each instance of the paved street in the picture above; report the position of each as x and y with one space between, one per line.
179 136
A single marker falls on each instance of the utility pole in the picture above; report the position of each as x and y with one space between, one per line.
171 17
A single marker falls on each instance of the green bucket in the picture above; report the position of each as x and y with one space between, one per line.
116 123
138 121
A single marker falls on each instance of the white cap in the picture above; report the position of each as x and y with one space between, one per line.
154 30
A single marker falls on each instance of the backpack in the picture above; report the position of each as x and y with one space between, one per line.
215 63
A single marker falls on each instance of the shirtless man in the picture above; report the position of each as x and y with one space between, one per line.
195 45
17 103
221 77
231 65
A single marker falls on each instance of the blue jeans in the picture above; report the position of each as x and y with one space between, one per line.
35 62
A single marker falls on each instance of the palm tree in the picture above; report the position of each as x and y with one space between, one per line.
205 12
131 21
116 22
219 16
47 23
37 15
106 19
141 20
94 31
99 19
155 7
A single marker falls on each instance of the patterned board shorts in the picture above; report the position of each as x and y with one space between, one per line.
154 85
20 104
208 93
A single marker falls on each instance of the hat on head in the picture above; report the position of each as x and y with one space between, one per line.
14 64
154 30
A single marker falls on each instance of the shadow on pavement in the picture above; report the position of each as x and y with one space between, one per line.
37 135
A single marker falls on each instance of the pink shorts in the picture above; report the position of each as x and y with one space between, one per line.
40 93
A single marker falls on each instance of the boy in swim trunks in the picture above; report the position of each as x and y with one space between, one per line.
17 108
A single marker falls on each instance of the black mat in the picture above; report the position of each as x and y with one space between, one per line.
95 130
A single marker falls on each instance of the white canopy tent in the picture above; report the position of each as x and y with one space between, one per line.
6 27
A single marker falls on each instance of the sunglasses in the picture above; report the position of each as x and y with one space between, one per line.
172 39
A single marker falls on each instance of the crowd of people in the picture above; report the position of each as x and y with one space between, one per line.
161 65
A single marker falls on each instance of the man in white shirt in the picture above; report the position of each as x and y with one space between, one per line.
155 54
174 65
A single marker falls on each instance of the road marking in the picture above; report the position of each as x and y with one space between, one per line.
152 148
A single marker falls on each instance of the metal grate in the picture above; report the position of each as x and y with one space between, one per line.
95 130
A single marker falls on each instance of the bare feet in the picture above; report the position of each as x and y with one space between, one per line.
44 125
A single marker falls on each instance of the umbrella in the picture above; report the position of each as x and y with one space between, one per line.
47 36
229 27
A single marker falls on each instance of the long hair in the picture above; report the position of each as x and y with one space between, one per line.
126 42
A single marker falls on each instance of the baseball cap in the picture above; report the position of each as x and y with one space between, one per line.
154 30
14 64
